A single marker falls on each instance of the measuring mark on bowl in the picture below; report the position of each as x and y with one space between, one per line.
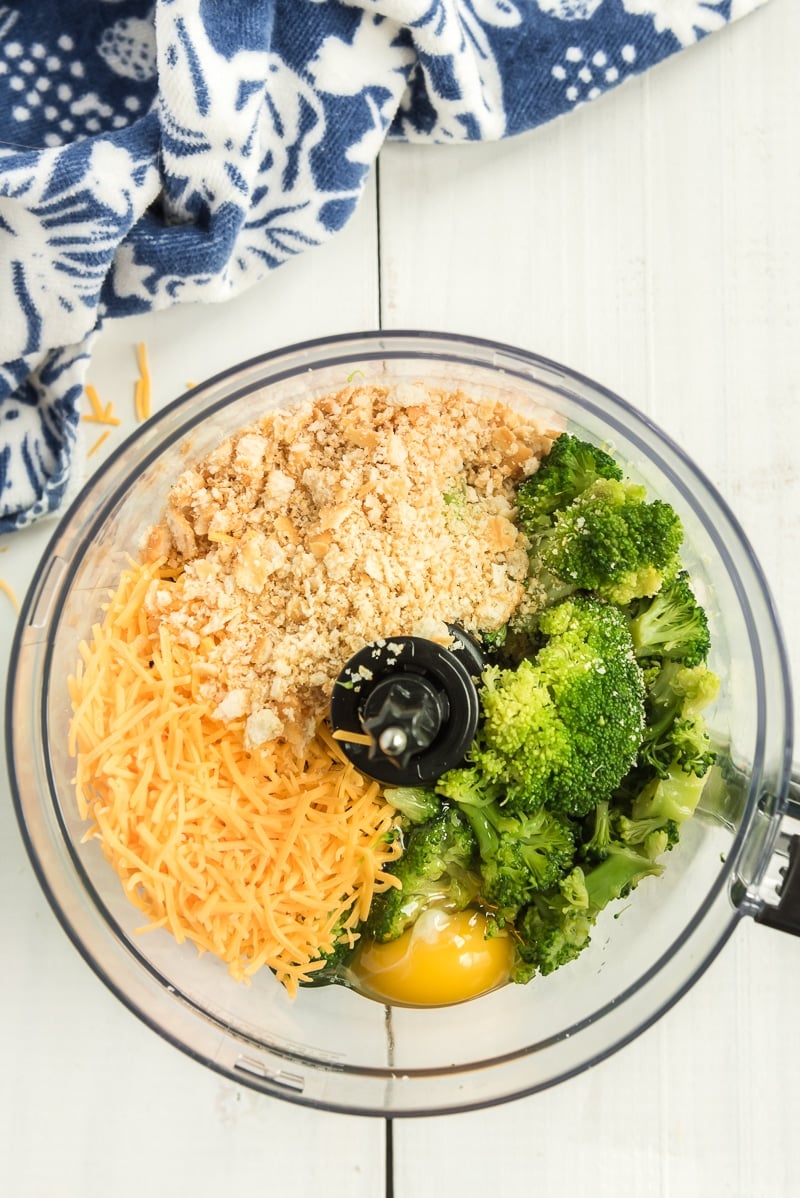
280 1077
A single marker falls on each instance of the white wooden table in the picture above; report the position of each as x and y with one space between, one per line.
650 240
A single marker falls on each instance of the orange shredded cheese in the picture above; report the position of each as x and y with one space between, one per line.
8 591
99 414
353 738
141 395
259 857
103 437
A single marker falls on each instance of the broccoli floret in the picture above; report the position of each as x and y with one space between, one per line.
469 785
698 686
562 730
436 868
545 842
589 667
692 744
493 639
672 624
553 929
660 841
335 960
612 830
609 540
524 855
663 790
520 736
570 467
556 927
416 803
517 708
676 731
652 836
508 883
470 790
518 853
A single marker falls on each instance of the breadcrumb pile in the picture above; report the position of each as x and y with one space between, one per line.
376 511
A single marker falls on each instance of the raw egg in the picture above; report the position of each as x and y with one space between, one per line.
444 958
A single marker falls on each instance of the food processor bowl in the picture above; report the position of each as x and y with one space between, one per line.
329 1047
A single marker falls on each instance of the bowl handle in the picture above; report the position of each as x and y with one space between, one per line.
785 915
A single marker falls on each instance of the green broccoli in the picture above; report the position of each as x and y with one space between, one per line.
416 803
553 929
609 540
556 927
675 729
517 708
660 841
335 960
589 667
493 639
596 847
672 624
615 877
533 853
663 789
519 854
520 736
673 797
570 467
435 869
652 836
469 785
608 829
562 730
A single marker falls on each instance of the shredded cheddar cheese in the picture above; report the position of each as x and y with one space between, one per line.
100 440
8 591
256 856
99 414
353 738
143 384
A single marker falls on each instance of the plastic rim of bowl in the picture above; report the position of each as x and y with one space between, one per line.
295 1073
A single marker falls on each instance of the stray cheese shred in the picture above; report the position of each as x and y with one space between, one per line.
99 414
142 388
10 594
99 442
260 857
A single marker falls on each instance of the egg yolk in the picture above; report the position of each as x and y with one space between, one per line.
445 957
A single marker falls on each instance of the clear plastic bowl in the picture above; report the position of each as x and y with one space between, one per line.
331 1048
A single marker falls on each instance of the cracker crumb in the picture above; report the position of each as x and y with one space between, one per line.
374 512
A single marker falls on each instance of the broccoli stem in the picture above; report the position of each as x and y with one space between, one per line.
615 876
672 798
485 834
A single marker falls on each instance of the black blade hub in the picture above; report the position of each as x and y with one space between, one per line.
405 709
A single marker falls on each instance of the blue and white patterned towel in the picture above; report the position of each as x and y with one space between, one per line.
152 153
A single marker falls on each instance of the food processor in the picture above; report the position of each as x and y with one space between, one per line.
329 1047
